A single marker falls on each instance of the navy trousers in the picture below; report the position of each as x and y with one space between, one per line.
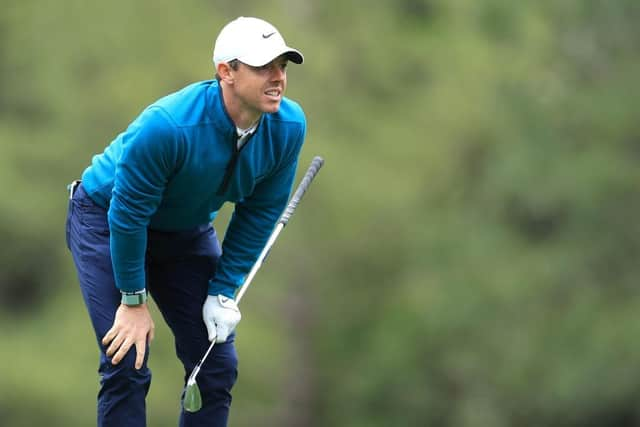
178 267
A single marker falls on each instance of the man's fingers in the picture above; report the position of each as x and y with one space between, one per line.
140 350
121 353
122 350
222 333
116 343
212 332
132 326
152 333
111 333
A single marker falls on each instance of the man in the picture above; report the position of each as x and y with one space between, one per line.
140 220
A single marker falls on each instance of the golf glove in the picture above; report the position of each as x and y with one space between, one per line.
221 315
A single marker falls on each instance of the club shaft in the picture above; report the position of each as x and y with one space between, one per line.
194 373
259 261
316 164
311 173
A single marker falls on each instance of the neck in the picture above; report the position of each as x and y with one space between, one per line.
242 117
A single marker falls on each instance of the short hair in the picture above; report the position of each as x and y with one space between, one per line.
234 64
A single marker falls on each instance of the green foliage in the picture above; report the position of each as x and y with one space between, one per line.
467 257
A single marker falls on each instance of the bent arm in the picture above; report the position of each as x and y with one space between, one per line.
252 222
142 173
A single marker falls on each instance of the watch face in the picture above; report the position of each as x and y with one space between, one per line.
134 299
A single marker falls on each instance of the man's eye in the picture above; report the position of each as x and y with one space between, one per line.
258 69
267 67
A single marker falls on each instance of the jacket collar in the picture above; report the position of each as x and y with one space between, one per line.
218 112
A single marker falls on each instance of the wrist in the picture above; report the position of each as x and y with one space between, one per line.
133 299
218 288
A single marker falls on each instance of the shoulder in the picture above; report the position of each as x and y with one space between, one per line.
154 121
153 131
186 106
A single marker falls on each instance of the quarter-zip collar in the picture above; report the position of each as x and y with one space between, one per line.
218 113
215 100
216 110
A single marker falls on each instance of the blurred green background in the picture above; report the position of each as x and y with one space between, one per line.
469 255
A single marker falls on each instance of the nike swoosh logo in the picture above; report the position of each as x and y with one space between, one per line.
266 36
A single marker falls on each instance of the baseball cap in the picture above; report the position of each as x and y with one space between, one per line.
252 41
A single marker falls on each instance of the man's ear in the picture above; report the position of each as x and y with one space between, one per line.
224 71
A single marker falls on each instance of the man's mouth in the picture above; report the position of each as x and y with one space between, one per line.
274 93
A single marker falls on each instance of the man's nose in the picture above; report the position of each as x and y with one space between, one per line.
277 72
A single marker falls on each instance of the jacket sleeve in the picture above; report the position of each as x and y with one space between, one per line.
142 172
252 222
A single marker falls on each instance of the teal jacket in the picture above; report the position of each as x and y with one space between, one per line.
177 164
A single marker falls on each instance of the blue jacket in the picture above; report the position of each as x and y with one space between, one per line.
174 167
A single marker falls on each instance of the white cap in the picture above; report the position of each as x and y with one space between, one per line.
252 41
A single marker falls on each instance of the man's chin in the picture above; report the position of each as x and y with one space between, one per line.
271 109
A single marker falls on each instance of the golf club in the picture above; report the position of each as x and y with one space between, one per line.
192 400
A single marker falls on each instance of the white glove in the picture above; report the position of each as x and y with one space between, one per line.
220 315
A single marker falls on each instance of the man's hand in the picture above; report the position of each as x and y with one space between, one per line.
132 326
220 315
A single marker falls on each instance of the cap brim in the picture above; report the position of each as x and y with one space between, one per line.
295 56
262 58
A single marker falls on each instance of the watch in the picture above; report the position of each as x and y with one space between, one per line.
133 299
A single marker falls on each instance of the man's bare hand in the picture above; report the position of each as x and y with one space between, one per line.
132 326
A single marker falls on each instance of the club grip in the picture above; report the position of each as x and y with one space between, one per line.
316 164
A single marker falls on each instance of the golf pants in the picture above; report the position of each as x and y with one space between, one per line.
178 267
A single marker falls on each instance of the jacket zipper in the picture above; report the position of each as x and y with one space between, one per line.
231 165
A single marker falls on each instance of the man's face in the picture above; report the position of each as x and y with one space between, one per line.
260 89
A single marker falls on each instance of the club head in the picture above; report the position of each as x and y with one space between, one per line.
192 401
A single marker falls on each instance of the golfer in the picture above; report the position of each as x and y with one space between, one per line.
139 220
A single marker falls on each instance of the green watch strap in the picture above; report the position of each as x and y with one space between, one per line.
133 299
